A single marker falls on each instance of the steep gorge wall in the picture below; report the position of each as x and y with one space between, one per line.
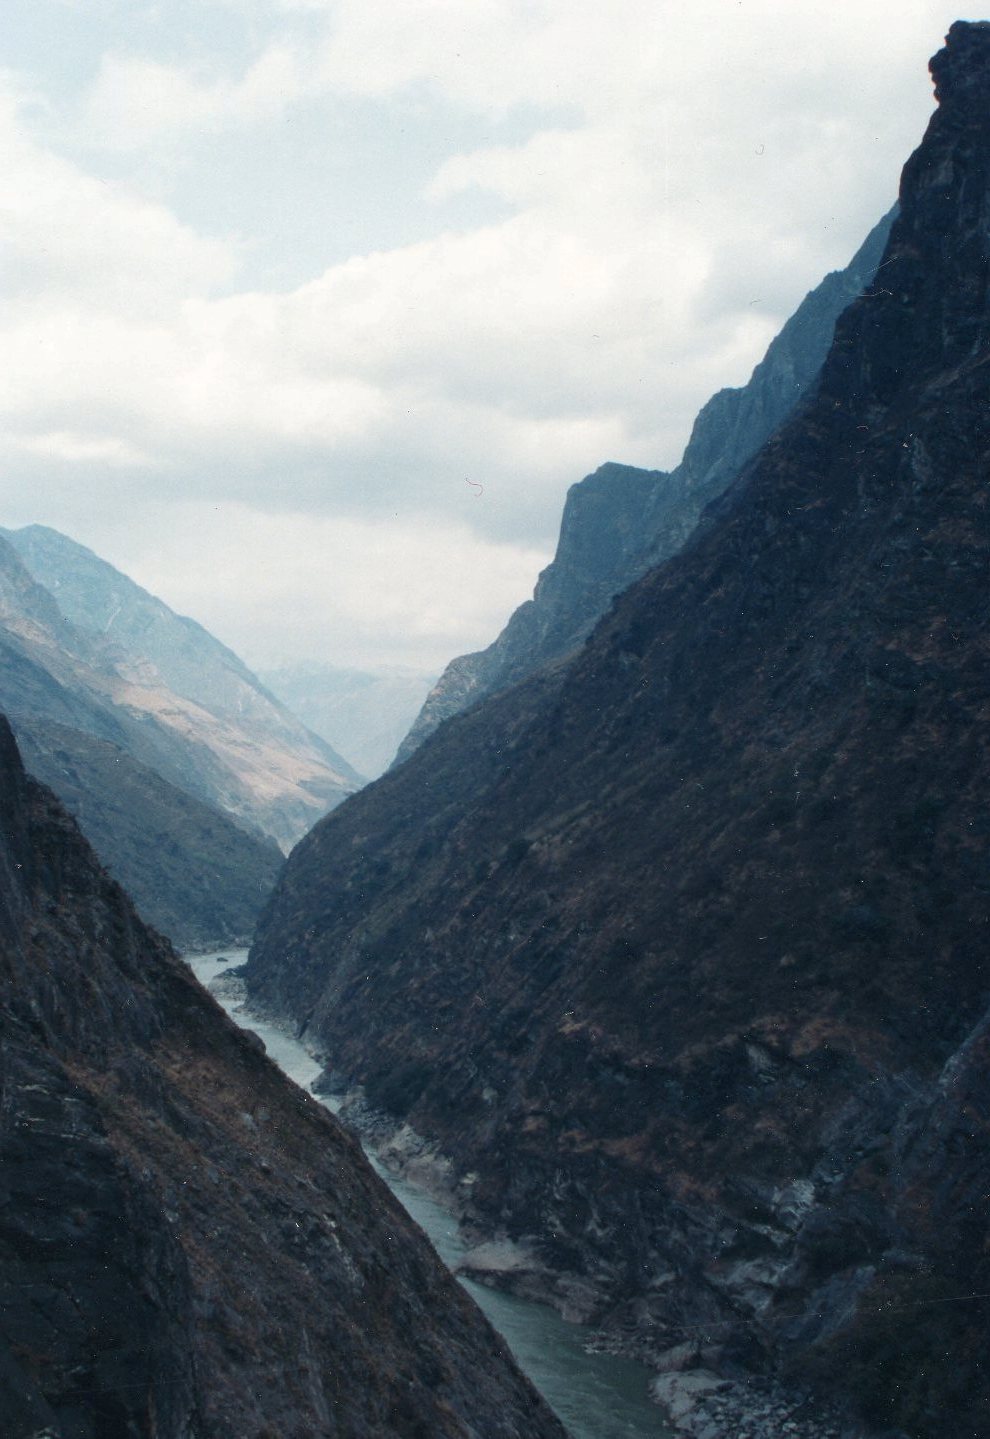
190 1247
679 951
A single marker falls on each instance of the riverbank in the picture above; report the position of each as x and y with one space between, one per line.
656 1394
597 1395
698 1401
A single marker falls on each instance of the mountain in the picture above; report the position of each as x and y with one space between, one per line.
364 713
238 747
676 953
197 876
190 1245
621 521
192 872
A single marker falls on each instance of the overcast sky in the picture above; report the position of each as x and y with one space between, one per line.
313 309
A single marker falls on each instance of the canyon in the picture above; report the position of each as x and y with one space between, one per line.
657 959
673 954
216 1258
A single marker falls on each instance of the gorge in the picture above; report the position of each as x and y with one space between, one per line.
652 974
189 1246
675 952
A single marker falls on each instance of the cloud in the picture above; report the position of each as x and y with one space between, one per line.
135 102
76 448
74 241
403 592
671 181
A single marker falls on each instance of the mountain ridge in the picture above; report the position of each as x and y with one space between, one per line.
149 797
676 951
96 598
191 1246
620 521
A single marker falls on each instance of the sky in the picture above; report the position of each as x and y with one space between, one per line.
311 310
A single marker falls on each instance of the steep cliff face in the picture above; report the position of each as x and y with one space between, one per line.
621 521
191 1248
679 951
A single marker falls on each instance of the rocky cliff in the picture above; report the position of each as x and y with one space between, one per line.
678 952
621 521
190 1247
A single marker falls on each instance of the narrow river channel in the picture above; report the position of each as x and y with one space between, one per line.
597 1396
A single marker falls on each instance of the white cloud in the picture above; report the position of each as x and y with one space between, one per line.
71 240
402 591
136 101
85 449
679 178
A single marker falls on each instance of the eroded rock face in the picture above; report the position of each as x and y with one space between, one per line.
621 521
680 950
190 1247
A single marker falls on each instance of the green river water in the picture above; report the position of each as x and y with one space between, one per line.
597 1396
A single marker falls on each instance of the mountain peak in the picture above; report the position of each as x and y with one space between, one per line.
961 69
621 520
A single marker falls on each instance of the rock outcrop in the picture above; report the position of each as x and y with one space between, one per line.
678 952
621 521
191 1247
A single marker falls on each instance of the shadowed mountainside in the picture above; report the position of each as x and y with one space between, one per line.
679 952
193 874
240 749
621 521
191 1247
134 785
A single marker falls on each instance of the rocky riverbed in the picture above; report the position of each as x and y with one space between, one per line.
699 1399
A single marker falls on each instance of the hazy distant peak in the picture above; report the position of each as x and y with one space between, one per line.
274 773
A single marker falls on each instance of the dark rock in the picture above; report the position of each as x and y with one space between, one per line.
679 948
190 1247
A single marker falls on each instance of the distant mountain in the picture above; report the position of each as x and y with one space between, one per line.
677 954
621 521
190 1245
363 713
196 874
193 873
256 760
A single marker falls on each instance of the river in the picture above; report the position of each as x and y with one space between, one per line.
597 1396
